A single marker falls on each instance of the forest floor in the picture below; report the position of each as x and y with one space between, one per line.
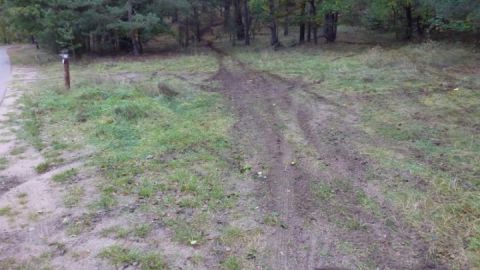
342 156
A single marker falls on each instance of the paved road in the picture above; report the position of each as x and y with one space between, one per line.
4 72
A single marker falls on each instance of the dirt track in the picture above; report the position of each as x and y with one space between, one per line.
286 134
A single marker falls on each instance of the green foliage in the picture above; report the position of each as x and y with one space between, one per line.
102 25
64 24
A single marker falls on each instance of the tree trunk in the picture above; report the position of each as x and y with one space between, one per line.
197 24
330 30
117 41
409 18
246 22
420 26
175 16
302 23
286 22
273 24
187 32
313 13
309 31
240 30
226 15
92 42
140 43
395 26
133 32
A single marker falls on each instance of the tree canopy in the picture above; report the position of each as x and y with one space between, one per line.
112 25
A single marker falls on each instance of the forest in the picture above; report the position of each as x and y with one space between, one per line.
100 26
239 134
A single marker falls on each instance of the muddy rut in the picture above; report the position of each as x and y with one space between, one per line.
284 134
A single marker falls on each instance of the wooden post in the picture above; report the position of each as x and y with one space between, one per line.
66 69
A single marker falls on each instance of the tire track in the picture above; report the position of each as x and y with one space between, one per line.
266 110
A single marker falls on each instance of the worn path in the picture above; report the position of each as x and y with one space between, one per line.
32 213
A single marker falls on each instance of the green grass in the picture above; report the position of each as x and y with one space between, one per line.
232 236
43 167
3 163
66 176
232 263
120 257
107 200
179 64
367 202
5 211
31 124
130 127
166 152
188 233
28 56
273 219
138 231
323 192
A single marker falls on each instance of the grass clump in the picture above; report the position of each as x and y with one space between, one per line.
323 192
18 150
31 127
232 263
3 163
367 202
142 230
43 167
138 230
120 257
273 219
66 176
106 201
81 225
232 235
188 233
5 211
73 196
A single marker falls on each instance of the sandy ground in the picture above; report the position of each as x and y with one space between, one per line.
33 219
31 202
